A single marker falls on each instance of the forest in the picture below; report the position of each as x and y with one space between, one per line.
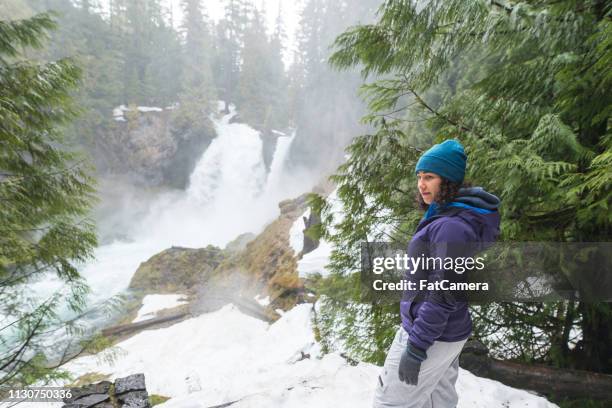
526 86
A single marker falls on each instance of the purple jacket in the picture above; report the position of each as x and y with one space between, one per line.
447 319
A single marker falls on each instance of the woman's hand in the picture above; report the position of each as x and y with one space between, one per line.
410 364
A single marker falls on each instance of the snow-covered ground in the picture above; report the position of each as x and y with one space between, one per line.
121 109
227 356
154 303
315 261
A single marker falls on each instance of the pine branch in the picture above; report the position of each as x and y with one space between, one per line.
441 116
23 347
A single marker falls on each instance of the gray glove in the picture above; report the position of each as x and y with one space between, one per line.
410 364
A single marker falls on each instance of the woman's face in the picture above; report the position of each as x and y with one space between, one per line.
429 185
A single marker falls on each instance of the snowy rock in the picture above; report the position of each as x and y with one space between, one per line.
129 392
151 145
131 383
176 269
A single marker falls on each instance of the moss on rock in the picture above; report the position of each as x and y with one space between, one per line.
176 269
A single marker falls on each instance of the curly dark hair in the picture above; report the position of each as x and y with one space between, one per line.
448 192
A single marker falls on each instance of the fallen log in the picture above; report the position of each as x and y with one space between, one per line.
126 328
564 383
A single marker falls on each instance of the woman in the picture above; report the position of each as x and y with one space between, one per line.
422 364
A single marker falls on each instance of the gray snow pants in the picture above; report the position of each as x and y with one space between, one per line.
437 377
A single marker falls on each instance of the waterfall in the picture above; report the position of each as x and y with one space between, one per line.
278 176
231 169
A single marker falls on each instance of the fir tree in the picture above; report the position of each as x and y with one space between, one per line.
327 110
228 42
524 86
197 73
262 86
46 193
252 92
198 91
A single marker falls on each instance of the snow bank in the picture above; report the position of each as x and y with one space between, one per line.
149 109
118 111
296 233
226 356
121 109
154 303
315 261
262 301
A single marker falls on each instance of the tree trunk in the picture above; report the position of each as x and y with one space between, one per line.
594 351
542 379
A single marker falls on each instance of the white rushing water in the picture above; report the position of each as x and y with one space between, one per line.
229 194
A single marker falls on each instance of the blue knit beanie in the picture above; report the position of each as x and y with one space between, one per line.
446 159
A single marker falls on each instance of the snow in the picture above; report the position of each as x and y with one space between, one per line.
118 111
315 261
228 356
262 301
155 303
475 391
149 109
296 233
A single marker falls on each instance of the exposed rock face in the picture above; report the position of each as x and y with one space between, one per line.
310 244
270 262
153 147
176 270
240 242
127 392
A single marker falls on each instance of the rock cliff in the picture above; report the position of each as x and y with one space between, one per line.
153 146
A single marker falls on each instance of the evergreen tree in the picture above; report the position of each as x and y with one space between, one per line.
198 91
138 41
525 86
89 39
327 109
295 87
228 42
252 96
46 193
279 82
197 73
149 48
262 86
163 72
